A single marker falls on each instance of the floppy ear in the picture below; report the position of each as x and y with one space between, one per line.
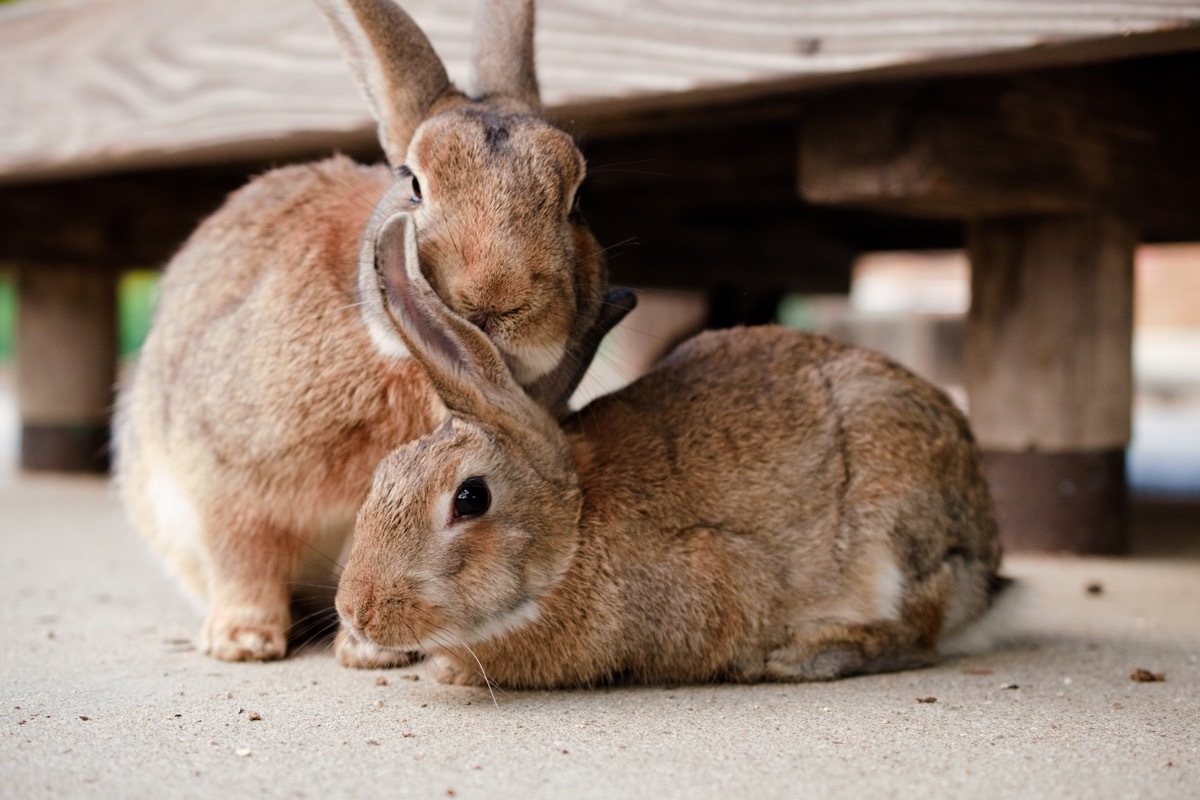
395 66
463 365
502 51
553 390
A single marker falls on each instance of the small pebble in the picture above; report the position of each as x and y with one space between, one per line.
381 681
929 699
254 715
1146 676
242 753
1095 587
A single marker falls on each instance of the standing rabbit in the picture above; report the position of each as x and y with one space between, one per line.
267 392
765 504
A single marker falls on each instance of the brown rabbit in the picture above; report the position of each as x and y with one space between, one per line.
266 392
766 504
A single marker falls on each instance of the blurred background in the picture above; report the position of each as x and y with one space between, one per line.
909 305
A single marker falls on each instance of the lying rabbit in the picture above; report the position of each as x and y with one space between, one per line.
765 504
266 392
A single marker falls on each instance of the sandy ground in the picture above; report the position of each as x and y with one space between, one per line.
105 696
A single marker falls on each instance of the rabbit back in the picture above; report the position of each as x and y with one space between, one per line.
808 487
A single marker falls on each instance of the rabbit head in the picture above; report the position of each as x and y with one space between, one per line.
490 184
467 526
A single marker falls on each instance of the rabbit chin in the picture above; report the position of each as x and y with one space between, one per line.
529 362
523 613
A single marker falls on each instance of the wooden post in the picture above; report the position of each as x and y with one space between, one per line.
66 366
1049 376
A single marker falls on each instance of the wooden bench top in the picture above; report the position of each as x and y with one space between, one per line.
97 86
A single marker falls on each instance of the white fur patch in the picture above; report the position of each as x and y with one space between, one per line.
384 336
889 588
177 531
534 361
524 614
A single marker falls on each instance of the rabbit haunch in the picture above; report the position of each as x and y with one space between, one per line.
271 382
764 504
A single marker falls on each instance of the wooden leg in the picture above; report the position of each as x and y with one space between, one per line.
1049 376
66 366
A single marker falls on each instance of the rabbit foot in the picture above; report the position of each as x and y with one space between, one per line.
356 653
839 650
451 668
240 637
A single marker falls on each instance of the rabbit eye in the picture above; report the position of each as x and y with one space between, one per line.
414 185
472 499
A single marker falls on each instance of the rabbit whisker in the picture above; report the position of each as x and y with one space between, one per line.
632 240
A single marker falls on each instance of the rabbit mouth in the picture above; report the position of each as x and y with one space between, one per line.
369 650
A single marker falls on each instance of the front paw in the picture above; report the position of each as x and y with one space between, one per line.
243 636
358 653
450 667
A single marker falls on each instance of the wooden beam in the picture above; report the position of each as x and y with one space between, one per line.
711 204
1115 140
1049 375
120 84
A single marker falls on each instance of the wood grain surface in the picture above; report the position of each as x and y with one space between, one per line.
89 86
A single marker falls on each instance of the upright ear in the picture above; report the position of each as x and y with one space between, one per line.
502 51
554 389
466 369
395 66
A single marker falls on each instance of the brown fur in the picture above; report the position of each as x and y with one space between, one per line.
264 397
766 504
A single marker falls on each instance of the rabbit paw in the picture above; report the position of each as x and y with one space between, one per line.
356 653
243 637
449 668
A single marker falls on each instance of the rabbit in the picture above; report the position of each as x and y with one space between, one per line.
266 392
764 504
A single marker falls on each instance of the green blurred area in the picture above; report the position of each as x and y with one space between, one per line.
8 312
136 295
137 292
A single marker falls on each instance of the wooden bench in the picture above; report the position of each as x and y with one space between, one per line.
742 145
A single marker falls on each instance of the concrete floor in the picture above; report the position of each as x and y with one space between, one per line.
105 696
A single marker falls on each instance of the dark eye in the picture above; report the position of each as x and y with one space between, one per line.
414 185
472 499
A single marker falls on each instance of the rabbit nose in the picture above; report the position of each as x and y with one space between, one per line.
357 612
363 614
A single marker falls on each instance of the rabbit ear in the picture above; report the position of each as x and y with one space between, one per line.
502 51
463 365
553 390
395 65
